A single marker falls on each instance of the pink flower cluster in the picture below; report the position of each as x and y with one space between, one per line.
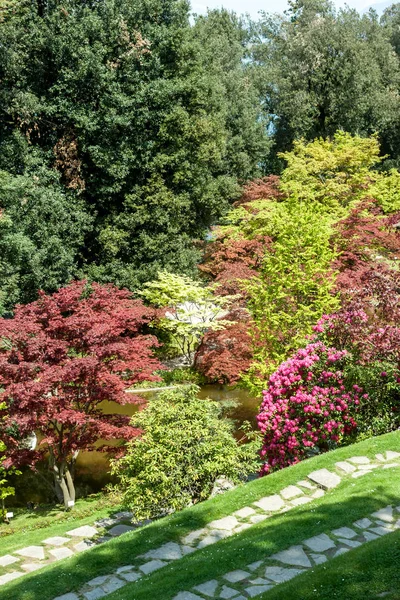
306 405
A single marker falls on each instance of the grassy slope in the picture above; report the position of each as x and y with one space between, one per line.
352 499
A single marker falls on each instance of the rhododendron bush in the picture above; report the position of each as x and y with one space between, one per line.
306 406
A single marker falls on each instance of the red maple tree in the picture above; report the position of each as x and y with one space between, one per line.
60 358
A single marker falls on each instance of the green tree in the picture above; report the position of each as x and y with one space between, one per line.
184 448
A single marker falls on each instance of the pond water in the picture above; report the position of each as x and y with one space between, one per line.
92 468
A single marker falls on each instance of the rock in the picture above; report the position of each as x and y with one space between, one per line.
362 523
169 551
227 592
319 543
358 474
113 584
319 559
213 537
86 531
130 576
242 527
151 566
345 467
340 551
235 576
306 484
351 543
61 553
381 530
208 588
32 552
345 532
390 455
270 503
84 545
227 523
30 567
10 577
291 491
7 559
256 590
98 580
359 460
258 518
94 594
325 478
119 530
255 565
194 535
70 596
300 501
187 596
280 574
221 485
245 512
125 514
56 540
318 493
370 536
294 555
384 514
187 550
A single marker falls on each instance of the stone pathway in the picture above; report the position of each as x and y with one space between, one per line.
261 576
314 486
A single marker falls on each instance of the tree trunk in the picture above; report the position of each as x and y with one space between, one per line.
63 482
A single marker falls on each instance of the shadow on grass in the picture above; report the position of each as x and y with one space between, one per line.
258 542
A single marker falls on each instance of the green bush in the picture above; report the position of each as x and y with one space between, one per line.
184 448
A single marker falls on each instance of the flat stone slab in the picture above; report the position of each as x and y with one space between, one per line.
340 551
61 553
187 596
300 501
169 551
270 503
390 455
306 484
319 543
151 566
235 576
325 478
70 596
86 531
7 559
319 559
187 550
359 460
194 535
242 527
358 474
98 580
213 537
208 588
30 567
10 577
280 574
362 523
351 543
32 552
56 540
119 530
114 583
94 594
245 512
258 518
384 514
345 532
124 569
291 491
256 590
345 467
381 530
370 536
294 555
82 546
227 523
130 576
318 493
227 593
124 514
255 565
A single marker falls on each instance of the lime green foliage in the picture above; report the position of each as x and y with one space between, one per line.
332 172
192 309
184 448
386 190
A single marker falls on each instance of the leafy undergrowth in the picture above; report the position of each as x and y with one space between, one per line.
352 499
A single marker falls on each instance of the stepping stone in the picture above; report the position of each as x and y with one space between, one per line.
319 559
320 543
194 535
351 543
367 467
390 465
380 457
291 491
86 531
130 576
325 479
208 588
214 536
61 553
94 594
125 514
340 551
84 545
169 551
7 559
106 522
300 501
384 514
119 530
32 552
390 455
358 474
258 518
151 566
270 503
318 493
187 596
30 567
187 550
242 527
370 536
306 484
255 565
260 581
98 580
70 596
381 530
294 555
113 584
227 523
345 532
345 467
279 574
228 592
245 512
10 577
359 460
256 590
56 541
235 576
124 569
362 523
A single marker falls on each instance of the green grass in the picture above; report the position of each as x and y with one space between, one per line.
352 499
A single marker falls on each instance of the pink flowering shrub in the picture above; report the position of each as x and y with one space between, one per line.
306 406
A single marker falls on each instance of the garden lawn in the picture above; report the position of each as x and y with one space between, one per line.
351 500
